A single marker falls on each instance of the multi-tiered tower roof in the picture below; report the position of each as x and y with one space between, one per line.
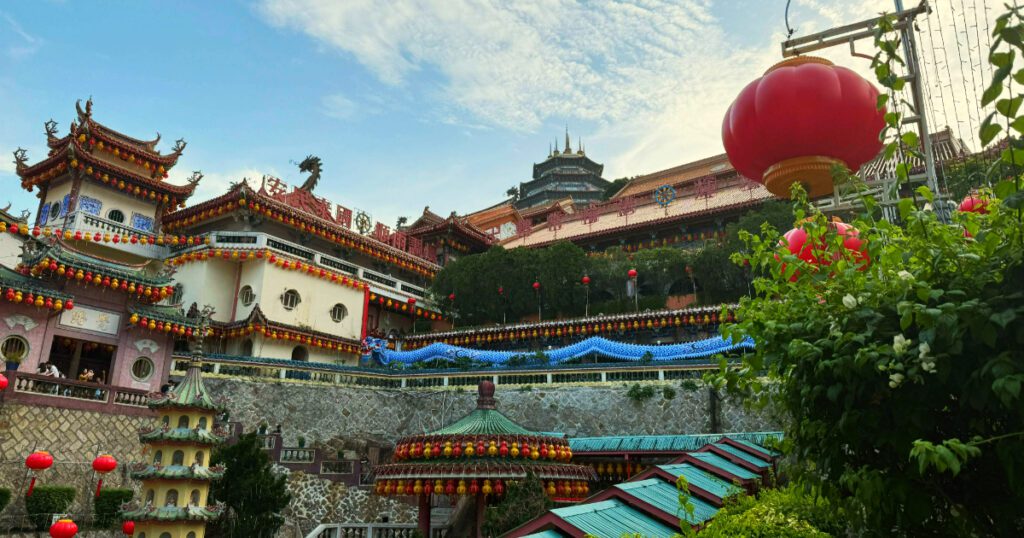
176 481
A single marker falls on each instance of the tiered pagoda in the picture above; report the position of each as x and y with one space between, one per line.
478 456
565 173
94 300
176 482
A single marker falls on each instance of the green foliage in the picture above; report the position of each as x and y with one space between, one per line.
253 494
668 392
108 504
46 501
615 187
5 498
786 513
523 501
640 393
689 385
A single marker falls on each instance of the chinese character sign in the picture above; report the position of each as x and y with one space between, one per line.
343 216
523 227
626 206
398 240
381 233
415 246
555 220
275 186
591 214
706 187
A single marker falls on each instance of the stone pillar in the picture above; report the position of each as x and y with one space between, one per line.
423 516
481 504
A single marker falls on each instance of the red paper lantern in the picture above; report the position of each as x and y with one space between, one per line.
586 282
412 300
632 273
974 204
451 296
128 528
40 460
796 242
3 382
64 528
803 116
536 285
103 464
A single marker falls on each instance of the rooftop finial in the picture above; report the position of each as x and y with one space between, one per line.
568 148
579 145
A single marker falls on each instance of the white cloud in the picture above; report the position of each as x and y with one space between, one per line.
29 43
215 184
338 106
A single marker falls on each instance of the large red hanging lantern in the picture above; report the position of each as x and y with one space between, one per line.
797 121
64 528
103 464
128 528
40 460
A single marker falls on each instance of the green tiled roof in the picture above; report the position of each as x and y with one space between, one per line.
661 443
743 455
611 519
484 422
545 534
665 496
90 263
725 465
190 393
758 448
173 513
191 435
13 279
702 479
485 468
163 313
178 472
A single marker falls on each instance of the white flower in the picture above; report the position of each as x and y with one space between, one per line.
905 275
900 344
895 380
928 366
923 350
849 301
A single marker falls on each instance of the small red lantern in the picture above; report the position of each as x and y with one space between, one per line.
585 280
632 273
128 528
103 464
3 382
64 528
802 117
536 285
40 460
974 204
451 296
412 300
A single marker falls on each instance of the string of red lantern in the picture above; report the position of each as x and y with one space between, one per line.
85 276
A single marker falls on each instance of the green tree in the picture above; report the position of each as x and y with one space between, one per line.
106 507
524 500
615 187
253 494
777 513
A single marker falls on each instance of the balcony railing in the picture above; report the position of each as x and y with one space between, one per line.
373 530
280 370
89 223
297 455
388 284
35 388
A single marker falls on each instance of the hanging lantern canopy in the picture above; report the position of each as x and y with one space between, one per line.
801 118
64 528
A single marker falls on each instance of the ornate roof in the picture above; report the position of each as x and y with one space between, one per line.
64 253
165 313
145 471
149 512
461 226
12 279
191 393
313 222
201 436
258 321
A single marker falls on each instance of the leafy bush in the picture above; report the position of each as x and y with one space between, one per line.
902 381
668 392
784 513
254 495
640 393
108 504
5 498
46 501
689 385
524 500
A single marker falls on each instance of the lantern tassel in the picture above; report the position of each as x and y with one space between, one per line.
31 486
98 486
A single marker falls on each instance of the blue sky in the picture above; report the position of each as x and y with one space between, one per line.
409 103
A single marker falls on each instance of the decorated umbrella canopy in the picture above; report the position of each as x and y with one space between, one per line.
478 456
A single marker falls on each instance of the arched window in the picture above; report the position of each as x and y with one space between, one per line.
194 498
290 299
246 295
142 369
200 457
55 211
191 534
150 495
14 349
115 215
339 312
300 354
172 498
166 420
178 458
165 535
202 423
247 347
158 458
183 421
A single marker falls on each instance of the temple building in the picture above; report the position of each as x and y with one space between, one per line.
90 297
176 483
565 173
449 237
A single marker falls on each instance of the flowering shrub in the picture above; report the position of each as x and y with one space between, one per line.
902 380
